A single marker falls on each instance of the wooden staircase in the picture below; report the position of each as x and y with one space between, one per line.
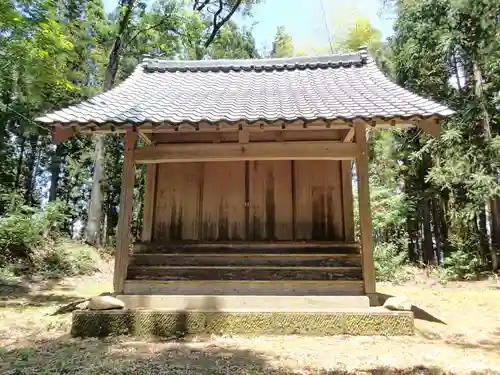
245 269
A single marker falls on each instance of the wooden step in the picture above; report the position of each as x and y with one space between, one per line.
239 287
282 303
251 260
243 273
248 248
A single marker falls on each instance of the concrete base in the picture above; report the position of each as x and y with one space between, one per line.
168 322
231 302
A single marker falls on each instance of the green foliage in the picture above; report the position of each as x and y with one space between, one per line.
68 259
360 34
27 243
283 44
389 261
22 231
8 275
20 234
462 265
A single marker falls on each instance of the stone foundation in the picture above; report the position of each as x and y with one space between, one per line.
168 323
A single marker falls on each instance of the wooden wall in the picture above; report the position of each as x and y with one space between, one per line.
254 201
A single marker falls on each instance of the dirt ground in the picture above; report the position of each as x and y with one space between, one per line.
458 331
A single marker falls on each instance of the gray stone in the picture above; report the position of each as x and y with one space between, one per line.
397 304
82 306
105 303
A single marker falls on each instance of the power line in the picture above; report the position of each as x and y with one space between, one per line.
326 27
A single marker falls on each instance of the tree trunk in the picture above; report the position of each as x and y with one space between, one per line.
55 170
436 221
486 133
19 169
484 246
495 233
30 169
37 164
412 250
92 230
428 248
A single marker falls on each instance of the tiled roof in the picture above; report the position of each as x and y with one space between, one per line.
333 87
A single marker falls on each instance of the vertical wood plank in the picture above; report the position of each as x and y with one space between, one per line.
365 217
318 200
223 217
149 202
125 216
294 199
335 207
347 199
303 212
271 209
177 202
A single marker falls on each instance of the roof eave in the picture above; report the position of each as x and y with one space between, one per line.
64 131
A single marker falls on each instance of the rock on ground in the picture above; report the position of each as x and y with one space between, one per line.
105 303
397 303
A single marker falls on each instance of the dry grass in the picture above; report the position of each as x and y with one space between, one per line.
34 342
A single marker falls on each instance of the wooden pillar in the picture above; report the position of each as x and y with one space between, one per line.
365 216
125 214
149 203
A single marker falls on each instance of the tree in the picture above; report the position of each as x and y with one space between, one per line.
359 34
92 230
198 33
215 14
449 50
282 44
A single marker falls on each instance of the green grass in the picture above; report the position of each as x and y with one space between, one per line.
34 342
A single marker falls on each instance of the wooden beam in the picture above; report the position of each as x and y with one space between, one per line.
350 135
193 152
149 203
365 216
147 138
244 136
430 126
125 215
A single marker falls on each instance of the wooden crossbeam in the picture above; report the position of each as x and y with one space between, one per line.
193 152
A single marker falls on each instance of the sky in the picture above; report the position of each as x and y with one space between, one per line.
304 21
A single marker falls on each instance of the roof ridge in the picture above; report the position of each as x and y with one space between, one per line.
269 64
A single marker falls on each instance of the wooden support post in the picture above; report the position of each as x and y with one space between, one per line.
365 216
149 203
125 215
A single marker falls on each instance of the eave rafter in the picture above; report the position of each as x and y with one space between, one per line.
61 132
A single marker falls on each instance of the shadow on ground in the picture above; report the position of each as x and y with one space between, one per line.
460 341
418 313
31 294
113 357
